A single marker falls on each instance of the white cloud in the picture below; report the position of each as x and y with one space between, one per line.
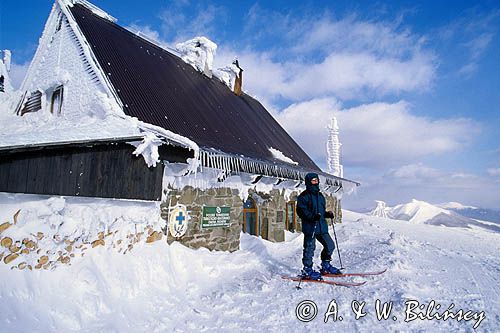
418 180
318 55
471 35
479 44
344 75
414 172
17 73
494 171
180 23
145 30
377 134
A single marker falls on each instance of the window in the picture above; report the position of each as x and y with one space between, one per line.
56 101
33 103
291 216
2 88
250 217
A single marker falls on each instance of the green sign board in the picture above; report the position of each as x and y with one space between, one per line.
213 217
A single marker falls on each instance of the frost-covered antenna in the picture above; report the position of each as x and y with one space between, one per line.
333 149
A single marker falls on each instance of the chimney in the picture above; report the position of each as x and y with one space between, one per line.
238 83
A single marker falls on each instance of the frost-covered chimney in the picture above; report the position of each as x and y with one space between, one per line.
333 149
238 83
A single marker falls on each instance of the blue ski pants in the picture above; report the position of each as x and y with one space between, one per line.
310 245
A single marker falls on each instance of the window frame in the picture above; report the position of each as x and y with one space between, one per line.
58 91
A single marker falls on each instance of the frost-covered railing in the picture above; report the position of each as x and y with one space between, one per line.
234 164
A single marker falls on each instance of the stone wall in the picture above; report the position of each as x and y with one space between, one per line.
41 251
219 238
272 210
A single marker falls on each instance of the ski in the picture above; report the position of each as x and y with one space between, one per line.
336 283
355 274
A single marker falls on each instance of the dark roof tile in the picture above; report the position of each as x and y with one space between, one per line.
159 88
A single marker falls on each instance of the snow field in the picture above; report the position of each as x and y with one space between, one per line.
161 288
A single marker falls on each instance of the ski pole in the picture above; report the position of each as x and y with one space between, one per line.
337 244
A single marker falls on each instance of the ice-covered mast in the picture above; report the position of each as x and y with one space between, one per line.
333 149
5 85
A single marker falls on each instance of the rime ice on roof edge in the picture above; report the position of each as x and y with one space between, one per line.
96 10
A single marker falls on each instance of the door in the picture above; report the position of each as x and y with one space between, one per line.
290 216
250 217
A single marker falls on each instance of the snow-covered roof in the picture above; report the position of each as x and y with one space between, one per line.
151 90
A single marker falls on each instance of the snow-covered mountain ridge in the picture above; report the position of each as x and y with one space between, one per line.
449 214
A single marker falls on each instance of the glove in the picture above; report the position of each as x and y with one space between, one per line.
317 217
329 215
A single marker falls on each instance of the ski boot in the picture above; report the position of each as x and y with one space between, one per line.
327 268
310 274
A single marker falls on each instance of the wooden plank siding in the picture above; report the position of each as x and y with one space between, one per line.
101 170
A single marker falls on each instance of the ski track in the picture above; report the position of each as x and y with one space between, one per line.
244 291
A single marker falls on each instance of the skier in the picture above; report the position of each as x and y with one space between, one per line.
311 208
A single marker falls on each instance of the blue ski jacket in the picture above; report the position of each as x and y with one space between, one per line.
310 203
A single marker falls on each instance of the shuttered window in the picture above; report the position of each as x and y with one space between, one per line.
56 100
33 104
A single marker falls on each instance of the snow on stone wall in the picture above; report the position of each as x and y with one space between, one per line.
39 232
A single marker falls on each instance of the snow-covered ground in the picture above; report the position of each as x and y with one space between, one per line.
170 288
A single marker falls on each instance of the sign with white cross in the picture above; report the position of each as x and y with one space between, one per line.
178 221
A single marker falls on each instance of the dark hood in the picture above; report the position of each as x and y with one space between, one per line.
310 187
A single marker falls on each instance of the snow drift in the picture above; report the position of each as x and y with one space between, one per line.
161 288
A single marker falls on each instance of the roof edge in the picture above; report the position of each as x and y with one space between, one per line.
231 163
88 53
96 10
43 145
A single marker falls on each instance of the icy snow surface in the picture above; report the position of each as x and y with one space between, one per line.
148 148
199 52
162 288
228 75
381 210
280 156
416 211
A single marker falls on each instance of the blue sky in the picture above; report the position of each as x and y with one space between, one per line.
414 85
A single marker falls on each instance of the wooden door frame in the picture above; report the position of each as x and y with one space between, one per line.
251 210
294 216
